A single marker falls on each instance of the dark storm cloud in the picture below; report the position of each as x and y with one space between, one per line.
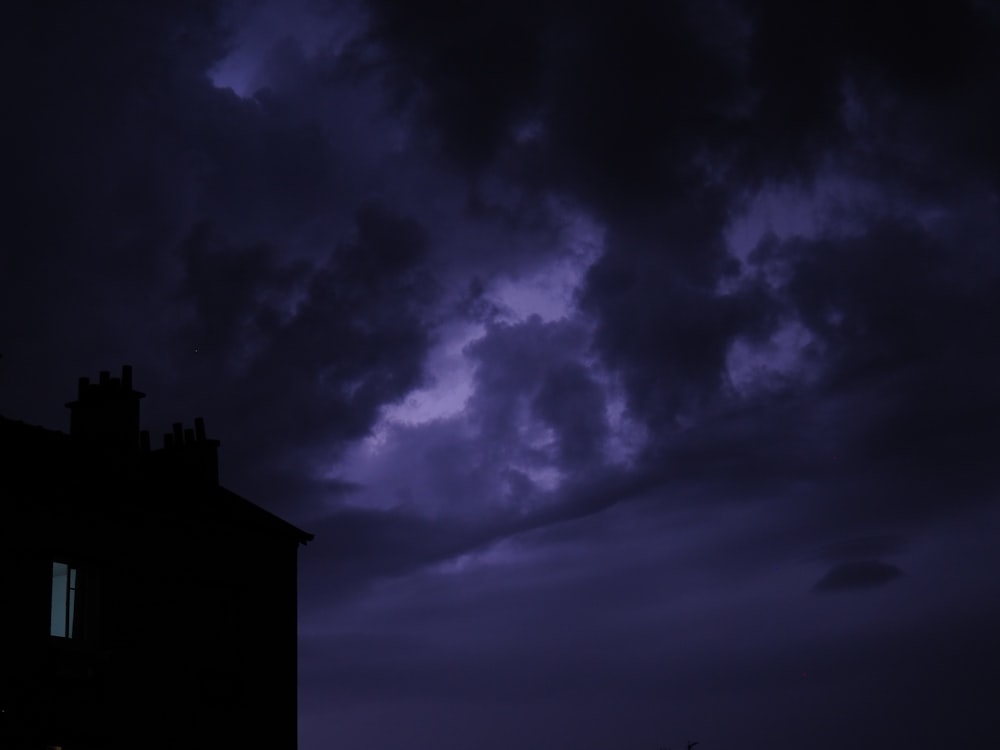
899 296
664 123
627 99
471 70
833 443
860 574
363 546
905 317
572 403
443 493
215 242
668 332
758 92
515 365
640 105
280 258
309 355
905 406
589 81
489 463
237 293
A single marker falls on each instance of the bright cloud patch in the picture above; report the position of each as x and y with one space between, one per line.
264 25
626 436
835 205
451 375
784 358
510 404
550 291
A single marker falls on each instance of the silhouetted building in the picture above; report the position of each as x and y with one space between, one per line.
143 604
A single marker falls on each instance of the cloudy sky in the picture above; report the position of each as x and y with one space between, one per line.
635 364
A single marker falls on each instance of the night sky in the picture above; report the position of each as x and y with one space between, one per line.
635 364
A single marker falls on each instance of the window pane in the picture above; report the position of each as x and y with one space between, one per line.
60 587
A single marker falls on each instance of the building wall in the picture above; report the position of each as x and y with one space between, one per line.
186 634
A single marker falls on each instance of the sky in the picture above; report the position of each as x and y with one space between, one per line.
634 364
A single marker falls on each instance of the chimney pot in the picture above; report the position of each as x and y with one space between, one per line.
178 434
105 377
127 377
189 436
199 428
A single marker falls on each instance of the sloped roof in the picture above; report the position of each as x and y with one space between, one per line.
24 448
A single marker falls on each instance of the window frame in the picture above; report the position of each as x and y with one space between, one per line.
66 629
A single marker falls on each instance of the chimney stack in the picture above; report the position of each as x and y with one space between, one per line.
106 413
188 450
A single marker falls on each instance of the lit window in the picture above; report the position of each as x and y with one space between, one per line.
63 599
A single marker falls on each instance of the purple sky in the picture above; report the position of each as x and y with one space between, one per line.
635 364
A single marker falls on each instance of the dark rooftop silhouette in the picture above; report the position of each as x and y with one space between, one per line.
146 605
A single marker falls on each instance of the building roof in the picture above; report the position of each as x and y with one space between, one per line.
180 479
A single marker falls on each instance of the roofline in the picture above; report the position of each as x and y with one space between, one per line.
276 522
302 537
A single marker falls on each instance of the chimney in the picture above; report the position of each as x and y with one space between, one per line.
204 452
106 413
190 452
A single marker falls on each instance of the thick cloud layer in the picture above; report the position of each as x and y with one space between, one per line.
633 364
